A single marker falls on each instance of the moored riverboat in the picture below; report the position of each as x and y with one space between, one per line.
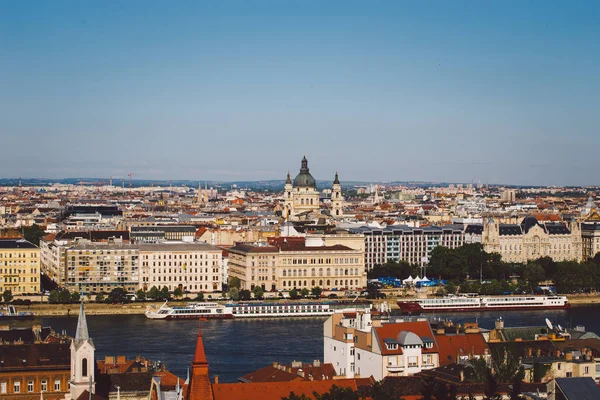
248 310
190 311
10 312
477 303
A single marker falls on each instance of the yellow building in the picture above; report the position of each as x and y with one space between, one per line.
19 266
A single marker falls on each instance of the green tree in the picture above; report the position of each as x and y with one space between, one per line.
117 295
154 293
140 295
234 294
33 234
506 362
304 292
165 294
294 294
338 393
53 297
75 297
451 288
245 295
199 297
491 387
7 296
177 293
400 269
533 274
516 388
233 282
294 396
99 298
316 291
64 296
258 292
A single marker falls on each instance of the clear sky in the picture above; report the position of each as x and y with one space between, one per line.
497 91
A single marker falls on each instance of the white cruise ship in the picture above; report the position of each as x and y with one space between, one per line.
469 303
247 310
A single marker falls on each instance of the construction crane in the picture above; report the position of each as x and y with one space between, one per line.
130 175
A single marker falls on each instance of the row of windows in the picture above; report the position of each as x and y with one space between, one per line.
320 283
304 261
313 272
17 255
16 386
181 257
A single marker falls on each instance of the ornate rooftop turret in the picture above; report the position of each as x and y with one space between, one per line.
304 178
336 181
288 181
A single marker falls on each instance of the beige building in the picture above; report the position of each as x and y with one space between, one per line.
95 268
290 263
193 267
531 240
19 266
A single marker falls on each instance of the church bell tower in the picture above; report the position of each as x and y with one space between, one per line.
82 359
336 198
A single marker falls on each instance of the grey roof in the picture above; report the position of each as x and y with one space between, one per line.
578 388
408 230
82 329
406 338
194 246
16 244
304 178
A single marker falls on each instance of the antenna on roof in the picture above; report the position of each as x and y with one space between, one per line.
549 324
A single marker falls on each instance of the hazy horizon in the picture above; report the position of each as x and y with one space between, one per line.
504 92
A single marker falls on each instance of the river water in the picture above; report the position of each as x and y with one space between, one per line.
237 347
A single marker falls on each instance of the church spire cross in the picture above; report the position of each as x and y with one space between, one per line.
82 328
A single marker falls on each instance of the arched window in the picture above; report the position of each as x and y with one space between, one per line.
328 271
302 201
312 272
320 271
284 273
84 367
311 202
313 283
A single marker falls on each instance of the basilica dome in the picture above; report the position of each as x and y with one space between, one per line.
304 178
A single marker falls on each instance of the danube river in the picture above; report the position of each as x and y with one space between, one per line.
236 347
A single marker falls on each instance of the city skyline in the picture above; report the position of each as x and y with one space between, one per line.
464 92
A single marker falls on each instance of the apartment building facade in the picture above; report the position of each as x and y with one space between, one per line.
193 267
404 243
96 267
19 267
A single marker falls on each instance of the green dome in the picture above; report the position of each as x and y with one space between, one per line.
304 178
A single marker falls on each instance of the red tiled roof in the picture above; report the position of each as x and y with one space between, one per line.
391 331
277 390
453 346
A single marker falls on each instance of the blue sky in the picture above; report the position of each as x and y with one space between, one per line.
502 92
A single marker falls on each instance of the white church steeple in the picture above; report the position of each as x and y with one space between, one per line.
82 359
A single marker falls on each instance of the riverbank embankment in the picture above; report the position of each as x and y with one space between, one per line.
48 310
